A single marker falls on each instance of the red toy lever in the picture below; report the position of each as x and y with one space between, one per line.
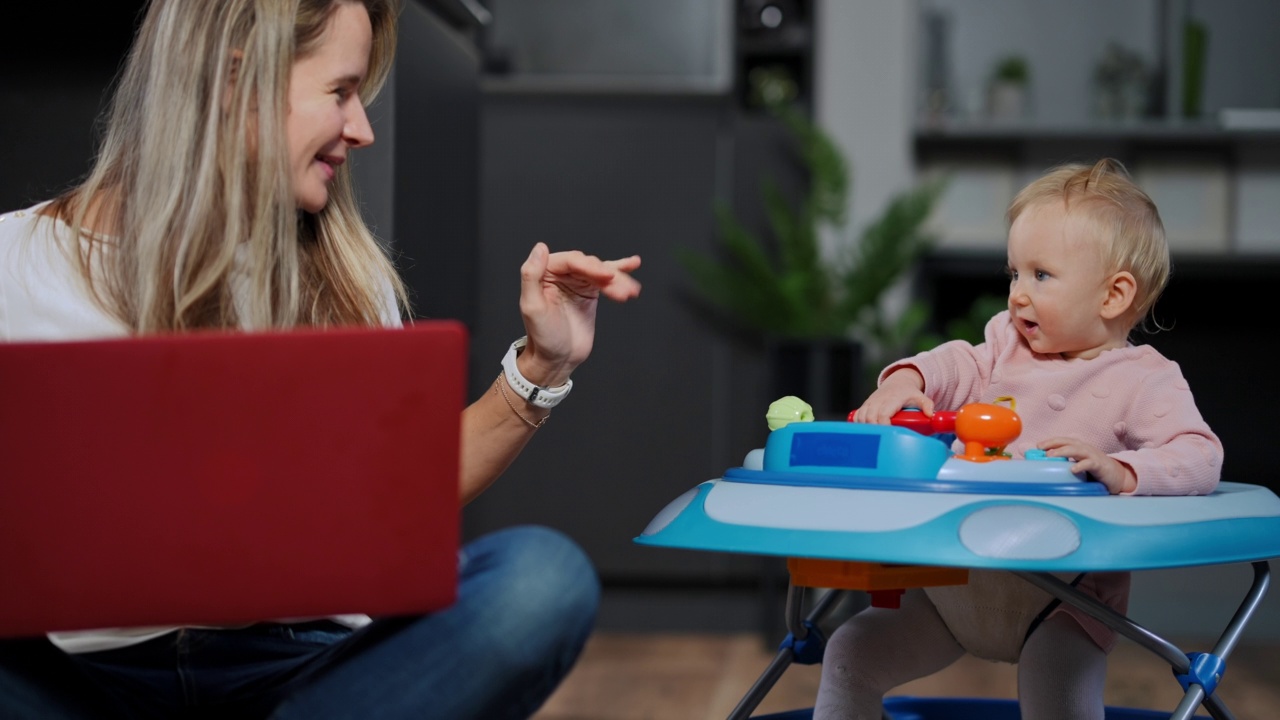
984 428
942 421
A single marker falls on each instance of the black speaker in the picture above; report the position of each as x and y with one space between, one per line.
774 52
770 17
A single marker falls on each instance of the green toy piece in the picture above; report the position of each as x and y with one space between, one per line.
786 410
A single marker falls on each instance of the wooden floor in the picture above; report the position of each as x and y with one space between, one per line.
702 677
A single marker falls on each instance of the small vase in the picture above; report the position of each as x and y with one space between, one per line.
1007 101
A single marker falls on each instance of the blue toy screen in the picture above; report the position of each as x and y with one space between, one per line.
835 450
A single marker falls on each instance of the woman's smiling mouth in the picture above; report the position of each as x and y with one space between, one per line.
330 164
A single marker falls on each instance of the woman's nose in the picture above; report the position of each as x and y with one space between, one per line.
357 132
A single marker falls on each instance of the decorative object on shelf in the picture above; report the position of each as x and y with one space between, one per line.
1232 118
785 292
937 99
1121 84
1195 49
1007 91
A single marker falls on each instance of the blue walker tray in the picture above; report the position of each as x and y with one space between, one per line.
901 498
887 494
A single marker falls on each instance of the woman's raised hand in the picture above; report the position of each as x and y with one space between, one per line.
558 297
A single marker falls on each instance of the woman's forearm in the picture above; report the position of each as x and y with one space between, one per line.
494 431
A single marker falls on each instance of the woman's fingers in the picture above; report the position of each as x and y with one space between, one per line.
587 275
531 274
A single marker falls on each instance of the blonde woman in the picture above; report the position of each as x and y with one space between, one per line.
221 199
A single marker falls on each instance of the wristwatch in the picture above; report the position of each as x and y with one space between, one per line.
535 395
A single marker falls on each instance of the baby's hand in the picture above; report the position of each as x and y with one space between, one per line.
1115 475
903 388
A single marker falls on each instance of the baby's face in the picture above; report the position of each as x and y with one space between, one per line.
1058 283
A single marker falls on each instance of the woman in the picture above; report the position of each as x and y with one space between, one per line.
221 199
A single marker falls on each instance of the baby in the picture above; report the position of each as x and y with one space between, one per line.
1087 261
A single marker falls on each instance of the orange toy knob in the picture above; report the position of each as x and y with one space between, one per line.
985 429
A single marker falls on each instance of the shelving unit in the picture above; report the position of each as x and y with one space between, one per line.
1219 180
1199 132
774 35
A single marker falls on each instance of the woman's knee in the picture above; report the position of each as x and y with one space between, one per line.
540 577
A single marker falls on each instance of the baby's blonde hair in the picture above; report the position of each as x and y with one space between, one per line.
1126 218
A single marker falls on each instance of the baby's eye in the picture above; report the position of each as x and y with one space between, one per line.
1041 275
1011 273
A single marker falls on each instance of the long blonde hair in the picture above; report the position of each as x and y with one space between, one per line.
193 172
1125 216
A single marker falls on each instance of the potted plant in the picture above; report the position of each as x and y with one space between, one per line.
1007 93
817 313
1120 84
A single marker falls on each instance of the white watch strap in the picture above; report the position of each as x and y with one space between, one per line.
535 395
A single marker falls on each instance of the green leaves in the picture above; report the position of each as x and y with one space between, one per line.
889 247
786 287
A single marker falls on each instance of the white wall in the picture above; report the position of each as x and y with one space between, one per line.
864 76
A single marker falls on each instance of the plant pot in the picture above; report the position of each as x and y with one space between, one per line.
1007 101
822 372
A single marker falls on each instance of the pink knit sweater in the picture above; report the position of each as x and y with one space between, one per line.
1132 403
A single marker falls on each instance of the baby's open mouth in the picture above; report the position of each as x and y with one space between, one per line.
1029 325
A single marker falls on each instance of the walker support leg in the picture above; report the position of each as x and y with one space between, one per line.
1216 708
1231 636
1196 693
1112 619
800 629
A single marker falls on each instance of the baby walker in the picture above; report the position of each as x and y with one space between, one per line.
883 508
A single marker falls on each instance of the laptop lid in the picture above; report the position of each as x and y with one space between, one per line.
216 478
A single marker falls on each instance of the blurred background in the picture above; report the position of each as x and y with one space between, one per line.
653 127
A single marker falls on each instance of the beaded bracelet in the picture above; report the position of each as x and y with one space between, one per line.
498 388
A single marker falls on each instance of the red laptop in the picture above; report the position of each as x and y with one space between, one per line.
226 478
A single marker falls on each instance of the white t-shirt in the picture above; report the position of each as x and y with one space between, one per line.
43 297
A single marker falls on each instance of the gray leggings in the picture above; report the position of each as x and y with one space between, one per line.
1061 672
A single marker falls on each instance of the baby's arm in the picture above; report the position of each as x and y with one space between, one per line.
1170 448
950 375
1173 451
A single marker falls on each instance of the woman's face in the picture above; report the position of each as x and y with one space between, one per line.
325 116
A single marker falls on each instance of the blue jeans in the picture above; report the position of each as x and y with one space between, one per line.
527 599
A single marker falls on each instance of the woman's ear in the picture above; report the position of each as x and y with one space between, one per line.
1121 289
